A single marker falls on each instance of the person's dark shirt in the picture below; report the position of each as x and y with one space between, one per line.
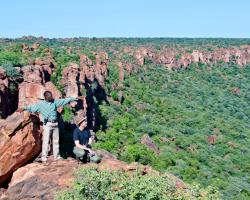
83 136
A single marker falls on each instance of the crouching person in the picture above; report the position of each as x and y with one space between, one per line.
82 140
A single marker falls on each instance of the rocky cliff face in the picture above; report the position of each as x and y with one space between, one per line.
35 84
173 58
20 135
20 141
79 80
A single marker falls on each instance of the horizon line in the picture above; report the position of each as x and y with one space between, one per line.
121 37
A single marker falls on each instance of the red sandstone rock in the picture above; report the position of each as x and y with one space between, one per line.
20 141
33 73
127 50
35 46
212 139
70 77
235 90
52 88
25 48
47 66
121 72
129 68
146 140
30 93
34 85
105 155
141 54
172 58
2 73
75 78
38 181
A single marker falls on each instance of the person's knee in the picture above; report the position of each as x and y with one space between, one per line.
95 159
79 152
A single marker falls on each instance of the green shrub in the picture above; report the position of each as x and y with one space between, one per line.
67 114
11 71
92 184
138 153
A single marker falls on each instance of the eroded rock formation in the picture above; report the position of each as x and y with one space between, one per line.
79 80
173 58
34 85
20 136
20 141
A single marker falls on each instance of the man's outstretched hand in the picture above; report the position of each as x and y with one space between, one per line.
20 110
80 97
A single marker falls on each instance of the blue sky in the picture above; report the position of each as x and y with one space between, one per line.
125 18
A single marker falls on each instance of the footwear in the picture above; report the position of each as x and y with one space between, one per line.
38 159
79 160
45 162
58 158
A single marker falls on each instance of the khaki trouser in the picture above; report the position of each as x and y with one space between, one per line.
81 153
48 129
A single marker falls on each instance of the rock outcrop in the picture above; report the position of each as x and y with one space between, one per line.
142 54
173 58
20 141
35 84
20 136
38 181
79 80
146 140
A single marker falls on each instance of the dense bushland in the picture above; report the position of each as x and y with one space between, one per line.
180 110
199 117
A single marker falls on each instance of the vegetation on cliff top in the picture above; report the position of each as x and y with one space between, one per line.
91 183
198 117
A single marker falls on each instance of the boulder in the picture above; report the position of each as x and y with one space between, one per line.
38 181
30 93
105 154
146 140
33 73
20 141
